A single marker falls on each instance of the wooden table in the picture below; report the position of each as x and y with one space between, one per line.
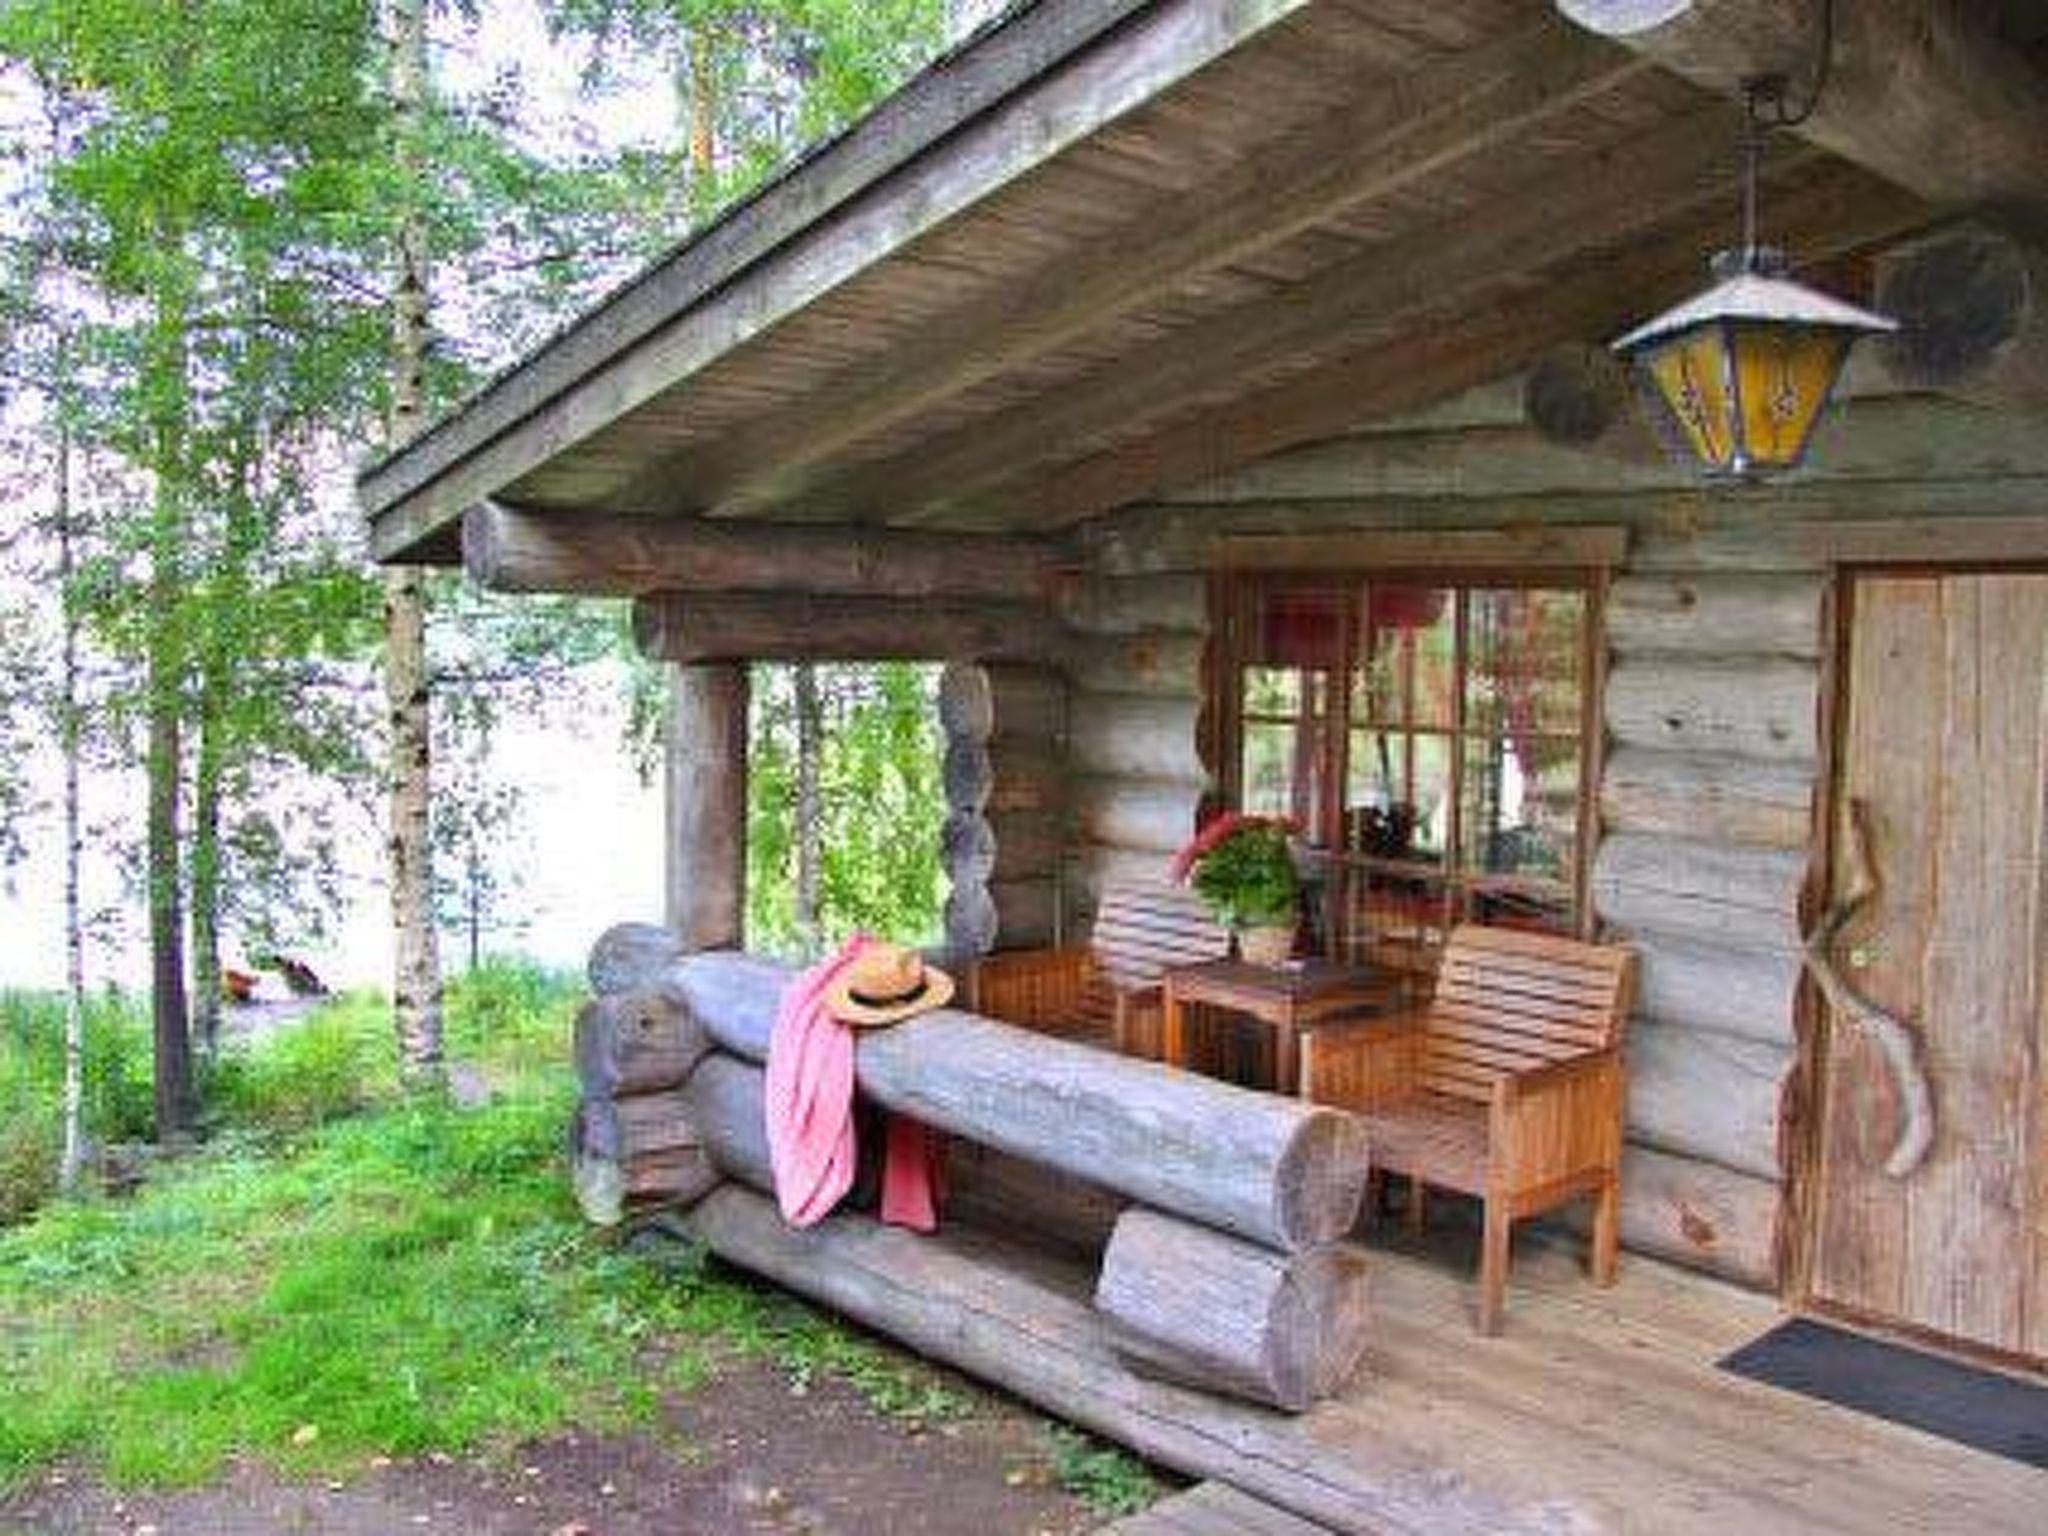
1300 994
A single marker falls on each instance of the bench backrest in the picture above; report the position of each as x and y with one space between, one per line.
1507 1000
1143 927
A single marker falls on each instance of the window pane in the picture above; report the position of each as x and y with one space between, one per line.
1397 798
1524 653
1406 646
1521 806
1272 691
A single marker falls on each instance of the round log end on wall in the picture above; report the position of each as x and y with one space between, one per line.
627 956
1960 297
966 702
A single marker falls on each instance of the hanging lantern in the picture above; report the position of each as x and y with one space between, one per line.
1741 372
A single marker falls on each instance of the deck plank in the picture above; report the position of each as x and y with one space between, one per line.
1213 1509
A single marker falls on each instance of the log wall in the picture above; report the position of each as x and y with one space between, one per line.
1007 805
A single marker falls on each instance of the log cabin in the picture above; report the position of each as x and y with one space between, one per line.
1221 390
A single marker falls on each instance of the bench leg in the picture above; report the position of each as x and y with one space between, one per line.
1493 1266
1418 1204
1607 1231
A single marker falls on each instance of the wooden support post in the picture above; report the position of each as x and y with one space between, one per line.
707 804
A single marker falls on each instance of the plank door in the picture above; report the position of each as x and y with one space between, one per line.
1945 743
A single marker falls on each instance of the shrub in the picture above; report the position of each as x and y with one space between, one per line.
334 1062
28 1160
510 1011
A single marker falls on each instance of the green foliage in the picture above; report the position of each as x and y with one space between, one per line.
1108 1480
118 1104
1247 875
881 806
336 1062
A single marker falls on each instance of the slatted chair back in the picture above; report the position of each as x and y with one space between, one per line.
1144 927
1507 1001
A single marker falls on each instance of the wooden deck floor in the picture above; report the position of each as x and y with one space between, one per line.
1605 1408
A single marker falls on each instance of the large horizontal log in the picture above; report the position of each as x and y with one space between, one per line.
1696 794
1694 984
1972 307
1012 1326
1712 891
1269 1169
1027 845
631 956
508 550
1152 815
635 1042
1745 707
724 1099
766 626
1111 605
1116 733
1707 1095
971 921
1716 615
1166 663
1223 1315
1027 912
981 703
1698 1214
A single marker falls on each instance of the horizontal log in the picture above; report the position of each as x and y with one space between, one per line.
1110 605
671 1178
970 921
724 1099
1972 307
1163 663
1028 704
766 626
967 773
627 1129
507 550
1697 1214
1222 1315
1715 614
1269 1169
1028 912
1026 779
1694 984
629 956
1701 1094
1095 866
1028 845
1712 891
635 1042
1114 733
1737 706
1696 794
1016 1327
1148 814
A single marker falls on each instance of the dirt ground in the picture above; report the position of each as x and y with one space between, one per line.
745 1455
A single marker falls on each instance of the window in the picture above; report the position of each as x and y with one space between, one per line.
1431 736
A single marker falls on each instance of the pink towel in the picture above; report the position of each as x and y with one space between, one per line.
809 1104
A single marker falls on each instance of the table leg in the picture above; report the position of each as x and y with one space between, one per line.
1173 1039
1286 1056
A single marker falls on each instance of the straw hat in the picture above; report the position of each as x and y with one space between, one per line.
886 983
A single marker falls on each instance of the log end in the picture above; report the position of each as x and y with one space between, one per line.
630 955
1320 1182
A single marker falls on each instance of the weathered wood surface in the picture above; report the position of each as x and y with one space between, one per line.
630 956
1748 707
1972 307
1214 1312
1712 796
1687 982
706 766
1716 615
1699 1214
1155 816
1744 896
955 1298
1708 1095
1137 603
1926 96
1213 1509
635 1042
1135 737
980 703
1580 396
1072 1216
1271 1170
1156 663
832 627
725 1102
508 550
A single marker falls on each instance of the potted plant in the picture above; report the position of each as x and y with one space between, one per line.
1244 869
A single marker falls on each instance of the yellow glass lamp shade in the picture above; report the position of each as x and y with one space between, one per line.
1742 372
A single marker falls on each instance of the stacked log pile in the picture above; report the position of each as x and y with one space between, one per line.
1713 705
631 1144
1225 1267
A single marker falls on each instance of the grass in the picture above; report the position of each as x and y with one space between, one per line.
343 1273
1106 1478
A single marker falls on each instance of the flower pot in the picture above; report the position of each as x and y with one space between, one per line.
1268 944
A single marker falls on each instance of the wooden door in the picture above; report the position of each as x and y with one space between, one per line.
1944 745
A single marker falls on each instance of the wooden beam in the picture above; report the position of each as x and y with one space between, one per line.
802 626
1538 546
508 550
1368 298
1432 362
783 255
1391 134
1920 92
1972 307
707 805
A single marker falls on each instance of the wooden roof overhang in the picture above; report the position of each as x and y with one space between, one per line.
1107 247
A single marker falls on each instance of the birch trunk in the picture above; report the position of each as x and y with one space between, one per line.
809 805
69 732
416 980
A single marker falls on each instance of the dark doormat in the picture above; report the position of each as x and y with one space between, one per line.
1984 1409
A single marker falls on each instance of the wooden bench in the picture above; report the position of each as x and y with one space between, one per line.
1506 1085
1108 989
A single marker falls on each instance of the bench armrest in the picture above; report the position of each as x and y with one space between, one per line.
1033 988
1558 1121
1364 1062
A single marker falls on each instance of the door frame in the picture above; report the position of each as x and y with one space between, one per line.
1800 1234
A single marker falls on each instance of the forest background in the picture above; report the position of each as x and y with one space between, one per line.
247 244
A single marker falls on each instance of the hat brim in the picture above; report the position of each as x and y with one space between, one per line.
936 992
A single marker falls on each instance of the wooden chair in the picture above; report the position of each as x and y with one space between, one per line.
1506 1085
1108 989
